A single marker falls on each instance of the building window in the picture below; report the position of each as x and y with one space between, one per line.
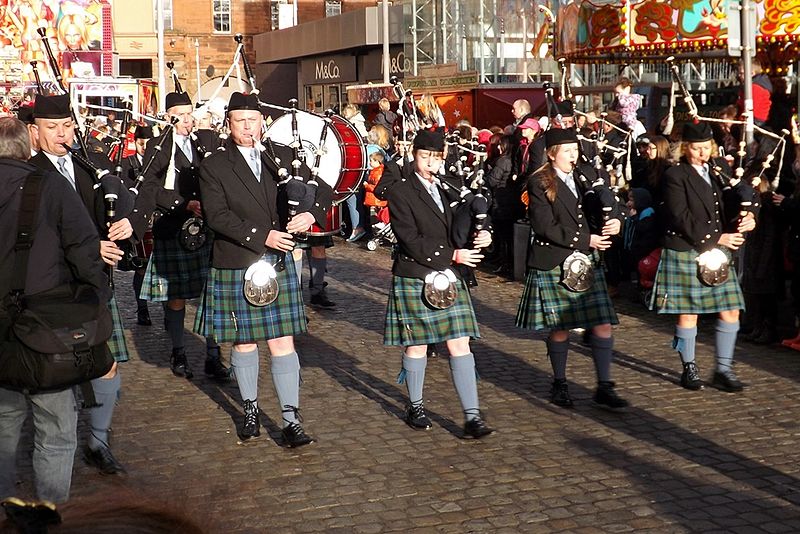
333 8
222 15
167 14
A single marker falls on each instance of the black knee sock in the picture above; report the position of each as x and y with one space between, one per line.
173 324
557 351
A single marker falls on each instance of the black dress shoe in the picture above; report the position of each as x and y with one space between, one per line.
690 378
416 417
431 352
295 436
606 396
179 365
476 428
559 394
727 381
143 317
251 428
322 300
216 370
103 460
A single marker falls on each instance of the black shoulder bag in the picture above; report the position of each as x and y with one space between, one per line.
55 339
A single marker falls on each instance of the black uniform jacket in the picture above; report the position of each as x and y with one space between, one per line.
559 228
170 202
242 211
693 210
423 232
131 168
66 246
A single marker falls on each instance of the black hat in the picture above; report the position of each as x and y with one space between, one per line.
25 114
51 107
560 136
177 99
143 132
696 133
241 101
427 140
565 108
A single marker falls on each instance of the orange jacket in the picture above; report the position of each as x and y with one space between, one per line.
372 182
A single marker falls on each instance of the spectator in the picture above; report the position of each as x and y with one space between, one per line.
352 113
641 233
762 93
385 117
505 201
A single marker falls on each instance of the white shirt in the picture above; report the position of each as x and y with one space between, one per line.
67 164
569 180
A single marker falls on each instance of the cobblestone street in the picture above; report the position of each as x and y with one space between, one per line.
676 461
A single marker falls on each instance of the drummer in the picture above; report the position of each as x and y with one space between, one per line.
243 207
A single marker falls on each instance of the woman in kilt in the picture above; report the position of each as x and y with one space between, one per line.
242 206
422 223
700 217
559 223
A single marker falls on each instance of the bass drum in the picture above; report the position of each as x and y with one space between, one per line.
343 164
333 223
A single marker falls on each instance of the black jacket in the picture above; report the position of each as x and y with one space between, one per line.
423 232
131 168
66 246
242 211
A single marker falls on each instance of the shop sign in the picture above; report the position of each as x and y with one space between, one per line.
329 69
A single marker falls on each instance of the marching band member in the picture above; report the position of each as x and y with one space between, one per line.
422 223
179 263
561 293
54 128
695 213
247 212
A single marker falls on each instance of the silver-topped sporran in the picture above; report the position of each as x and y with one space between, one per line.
577 272
713 267
193 234
441 289
260 284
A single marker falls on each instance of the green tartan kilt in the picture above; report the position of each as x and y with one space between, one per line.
678 290
116 343
174 272
547 305
410 321
225 314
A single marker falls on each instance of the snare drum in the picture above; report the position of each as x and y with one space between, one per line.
343 164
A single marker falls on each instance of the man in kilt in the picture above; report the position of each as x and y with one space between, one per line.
560 223
700 215
178 266
53 127
423 225
248 213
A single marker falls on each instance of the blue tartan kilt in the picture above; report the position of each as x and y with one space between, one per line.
225 314
547 305
410 321
116 343
678 290
174 272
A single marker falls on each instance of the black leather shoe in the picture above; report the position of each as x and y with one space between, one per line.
216 370
103 460
295 436
727 381
690 378
416 417
143 317
476 428
251 428
322 300
559 394
431 352
179 365
606 396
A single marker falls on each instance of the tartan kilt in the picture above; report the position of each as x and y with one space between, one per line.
116 343
409 321
678 290
174 272
225 315
547 304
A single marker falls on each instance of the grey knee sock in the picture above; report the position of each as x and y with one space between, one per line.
602 354
557 351
173 324
415 377
463 369
726 342
317 266
106 391
286 379
245 369
684 342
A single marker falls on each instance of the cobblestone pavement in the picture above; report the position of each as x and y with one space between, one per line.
676 461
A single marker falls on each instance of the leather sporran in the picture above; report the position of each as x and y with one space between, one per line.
713 268
193 234
440 290
577 272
